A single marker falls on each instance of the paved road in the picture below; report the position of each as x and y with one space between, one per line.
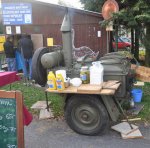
56 134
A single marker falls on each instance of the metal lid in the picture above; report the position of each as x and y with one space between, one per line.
84 68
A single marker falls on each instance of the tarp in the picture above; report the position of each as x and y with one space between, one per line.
19 61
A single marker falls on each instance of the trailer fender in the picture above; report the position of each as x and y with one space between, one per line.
111 107
107 101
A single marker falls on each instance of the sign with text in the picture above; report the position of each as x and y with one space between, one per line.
8 128
11 120
17 13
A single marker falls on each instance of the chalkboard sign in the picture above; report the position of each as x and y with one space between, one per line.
11 120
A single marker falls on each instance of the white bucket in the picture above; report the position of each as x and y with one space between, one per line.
96 73
62 72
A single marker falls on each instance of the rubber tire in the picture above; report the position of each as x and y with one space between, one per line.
93 101
39 73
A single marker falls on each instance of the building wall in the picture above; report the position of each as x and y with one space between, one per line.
47 19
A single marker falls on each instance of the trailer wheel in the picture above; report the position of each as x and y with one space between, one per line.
39 73
86 115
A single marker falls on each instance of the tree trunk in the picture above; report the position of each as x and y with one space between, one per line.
136 51
147 46
111 42
132 41
116 37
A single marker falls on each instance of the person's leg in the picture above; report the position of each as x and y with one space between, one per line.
0 63
13 64
25 68
8 64
30 68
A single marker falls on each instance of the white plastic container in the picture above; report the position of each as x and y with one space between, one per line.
62 72
76 82
96 73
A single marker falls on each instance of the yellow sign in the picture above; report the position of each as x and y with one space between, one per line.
50 41
2 39
1 47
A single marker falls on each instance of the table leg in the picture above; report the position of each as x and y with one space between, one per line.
46 100
9 86
0 64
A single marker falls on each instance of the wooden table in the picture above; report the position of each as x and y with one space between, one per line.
106 88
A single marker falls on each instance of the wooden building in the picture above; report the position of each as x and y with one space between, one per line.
46 23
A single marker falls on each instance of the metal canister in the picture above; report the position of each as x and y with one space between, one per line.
85 75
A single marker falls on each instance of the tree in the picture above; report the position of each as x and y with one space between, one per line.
93 5
133 14
96 5
136 15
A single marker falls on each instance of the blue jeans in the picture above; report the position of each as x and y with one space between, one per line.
27 72
11 64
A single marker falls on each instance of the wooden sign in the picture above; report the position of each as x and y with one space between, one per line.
11 120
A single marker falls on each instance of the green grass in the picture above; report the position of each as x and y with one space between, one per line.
145 113
32 95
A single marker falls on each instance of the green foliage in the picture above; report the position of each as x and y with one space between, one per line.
145 113
93 5
136 14
143 18
133 14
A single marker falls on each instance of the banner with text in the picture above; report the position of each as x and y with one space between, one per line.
17 13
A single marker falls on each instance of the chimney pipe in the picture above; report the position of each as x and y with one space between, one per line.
67 40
